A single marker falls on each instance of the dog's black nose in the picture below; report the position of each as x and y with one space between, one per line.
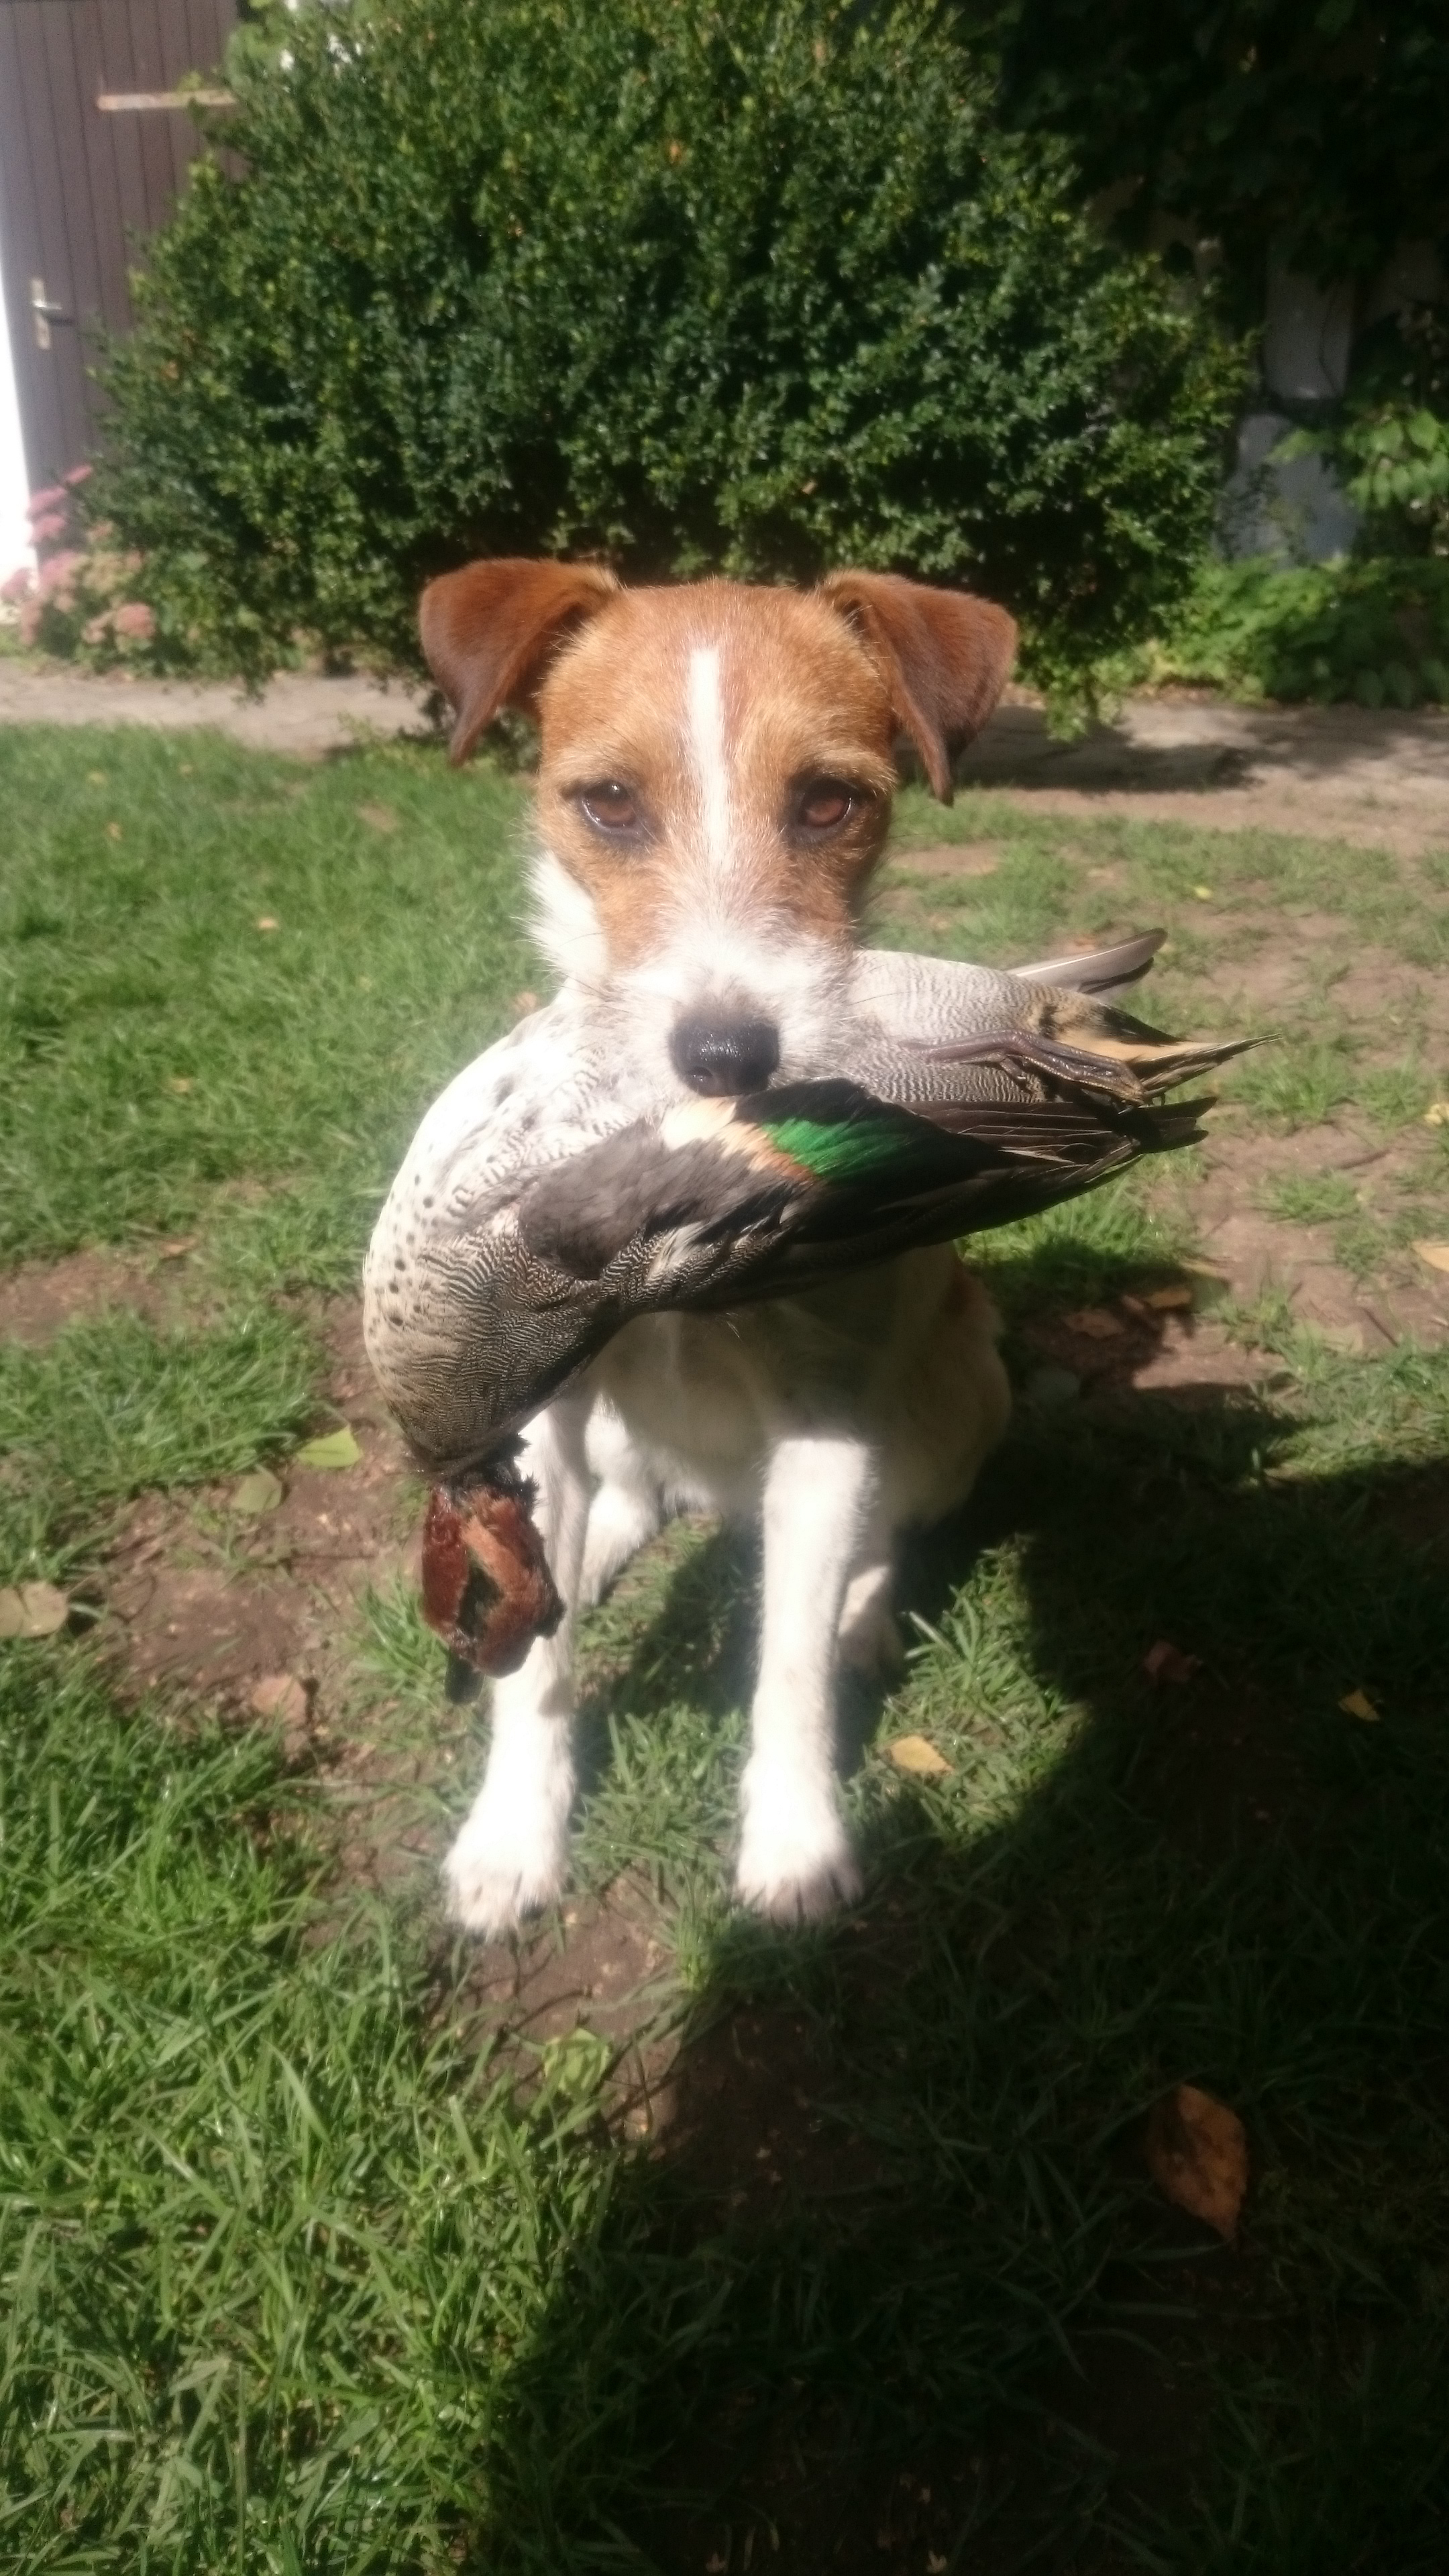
722 1057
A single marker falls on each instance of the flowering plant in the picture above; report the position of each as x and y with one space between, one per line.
81 603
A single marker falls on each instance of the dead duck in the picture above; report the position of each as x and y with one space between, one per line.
551 1194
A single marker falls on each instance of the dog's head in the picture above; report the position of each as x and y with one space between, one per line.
715 777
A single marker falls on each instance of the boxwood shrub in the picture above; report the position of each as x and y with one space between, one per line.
759 287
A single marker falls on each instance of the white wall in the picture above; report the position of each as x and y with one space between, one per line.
14 482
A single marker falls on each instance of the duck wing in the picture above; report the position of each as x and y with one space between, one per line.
728 1201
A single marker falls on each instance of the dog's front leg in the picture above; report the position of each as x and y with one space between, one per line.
510 1857
795 1857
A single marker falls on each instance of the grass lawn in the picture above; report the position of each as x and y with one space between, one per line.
331 2245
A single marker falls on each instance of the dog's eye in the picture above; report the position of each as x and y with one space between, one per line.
609 807
824 804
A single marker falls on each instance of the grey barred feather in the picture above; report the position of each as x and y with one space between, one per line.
556 1189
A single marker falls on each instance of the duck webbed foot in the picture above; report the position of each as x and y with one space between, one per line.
487 1589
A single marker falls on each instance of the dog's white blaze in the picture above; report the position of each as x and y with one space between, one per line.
706 734
565 921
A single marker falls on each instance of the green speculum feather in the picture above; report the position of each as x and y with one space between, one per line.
838 1149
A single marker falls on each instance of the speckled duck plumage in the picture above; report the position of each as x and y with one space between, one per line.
552 1193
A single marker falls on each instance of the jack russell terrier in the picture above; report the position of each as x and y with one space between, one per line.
714 791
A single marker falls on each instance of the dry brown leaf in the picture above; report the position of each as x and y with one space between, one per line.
1165 1662
1168 1301
1436 1254
181 1083
1095 1322
178 1248
917 1754
523 1003
1437 1114
32 1610
113 832
268 921
1197 2154
1356 1703
280 1696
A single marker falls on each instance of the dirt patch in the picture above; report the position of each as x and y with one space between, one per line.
948 859
1373 778
207 1594
302 712
41 1297
1108 1348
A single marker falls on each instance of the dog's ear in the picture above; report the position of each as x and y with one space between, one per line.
488 631
943 655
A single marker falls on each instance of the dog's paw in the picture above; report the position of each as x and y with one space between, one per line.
796 1864
497 1876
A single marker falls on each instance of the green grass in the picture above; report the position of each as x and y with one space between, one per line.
303 2272
146 1021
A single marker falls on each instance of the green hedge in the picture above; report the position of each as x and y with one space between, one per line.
761 288
1377 631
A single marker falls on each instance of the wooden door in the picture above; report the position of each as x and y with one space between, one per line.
92 158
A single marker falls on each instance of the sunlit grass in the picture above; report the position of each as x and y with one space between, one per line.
302 2278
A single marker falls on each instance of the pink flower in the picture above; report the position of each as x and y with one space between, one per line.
58 572
18 585
97 631
135 618
78 474
103 528
52 525
45 500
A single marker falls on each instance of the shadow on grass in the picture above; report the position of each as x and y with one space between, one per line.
890 2288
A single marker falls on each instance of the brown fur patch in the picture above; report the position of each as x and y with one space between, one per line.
809 686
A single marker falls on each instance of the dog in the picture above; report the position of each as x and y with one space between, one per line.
716 769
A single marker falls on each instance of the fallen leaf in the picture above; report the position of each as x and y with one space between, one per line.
1197 2154
1167 1301
1356 1703
1437 1114
267 921
1204 894
113 831
1436 1254
259 1492
32 1610
178 1247
935 2564
523 1003
916 1754
1165 1662
181 1083
381 817
1095 1322
95 778
280 1696
333 1449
